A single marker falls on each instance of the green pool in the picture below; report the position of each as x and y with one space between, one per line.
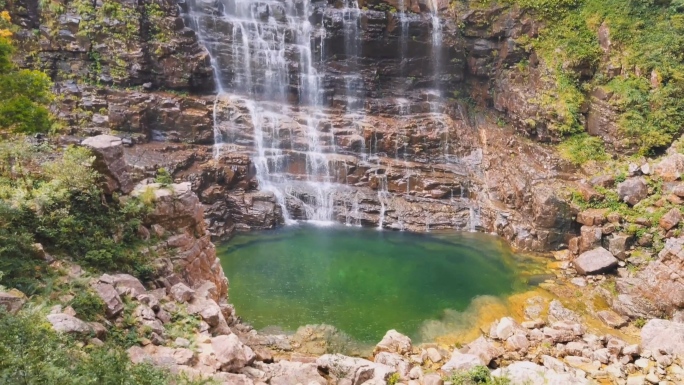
363 281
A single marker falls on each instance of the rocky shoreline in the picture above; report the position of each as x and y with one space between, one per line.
550 344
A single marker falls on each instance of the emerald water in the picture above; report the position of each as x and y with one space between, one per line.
363 281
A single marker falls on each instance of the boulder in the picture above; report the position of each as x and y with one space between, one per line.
505 328
558 313
434 355
395 361
670 219
590 238
108 294
65 323
633 190
355 370
287 373
612 319
670 168
459 362
664 336
181 292
125 284
595 261
618 244
394 342
486 350
592 217
109 155
525 372
12 301
232 355
432 379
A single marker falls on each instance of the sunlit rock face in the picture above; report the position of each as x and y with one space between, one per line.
347 112
361 113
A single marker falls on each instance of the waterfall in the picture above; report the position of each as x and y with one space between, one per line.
292 106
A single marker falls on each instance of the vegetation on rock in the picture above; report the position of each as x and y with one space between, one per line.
631 49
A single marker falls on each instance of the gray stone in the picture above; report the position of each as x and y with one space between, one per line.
612 318
663 335
232 355
618 244
558 312
529 373
108 294
595 261
434 355
181 292
432 379
394 342
670 219
633 190
68 324
357 370
460 361
486 350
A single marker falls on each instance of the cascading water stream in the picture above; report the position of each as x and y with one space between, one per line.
271 71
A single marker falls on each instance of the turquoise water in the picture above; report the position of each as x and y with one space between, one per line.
362 281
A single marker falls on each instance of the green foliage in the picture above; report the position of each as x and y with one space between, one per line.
477 375
24 95
163 177
87 305
57 202
647 43
393 379
639 323
581 148
31 353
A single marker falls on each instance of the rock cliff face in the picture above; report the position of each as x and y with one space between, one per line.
365 115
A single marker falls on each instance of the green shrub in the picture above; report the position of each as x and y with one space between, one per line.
58 203
581 148
31 353
87 305
24 95
163 177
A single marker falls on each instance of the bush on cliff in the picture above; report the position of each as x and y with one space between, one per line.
646 46
52 197
24 94
31 353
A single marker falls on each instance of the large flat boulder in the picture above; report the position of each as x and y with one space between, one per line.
525 372
595 261
65 323
663 335
459 362
355 370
